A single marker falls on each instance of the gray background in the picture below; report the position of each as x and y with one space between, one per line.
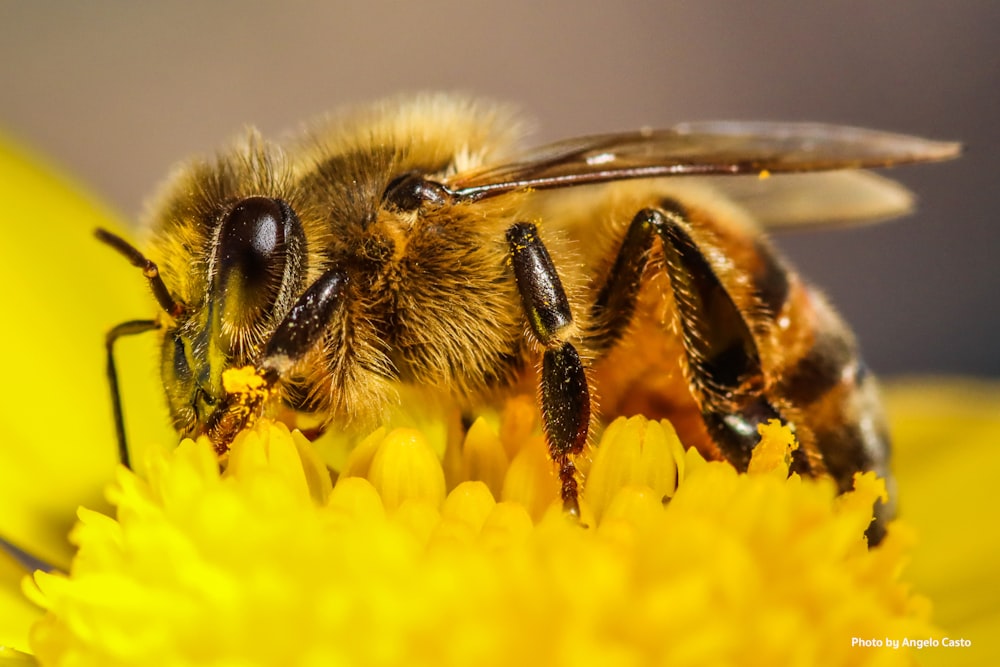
117 92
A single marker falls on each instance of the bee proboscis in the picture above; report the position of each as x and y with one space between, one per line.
412 243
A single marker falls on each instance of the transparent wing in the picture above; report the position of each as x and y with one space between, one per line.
847 197
694 149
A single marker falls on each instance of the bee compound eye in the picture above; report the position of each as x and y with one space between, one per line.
252 256
252 237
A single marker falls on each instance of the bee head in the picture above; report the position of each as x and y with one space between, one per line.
256 267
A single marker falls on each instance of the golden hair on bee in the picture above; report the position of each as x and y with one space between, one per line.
414 243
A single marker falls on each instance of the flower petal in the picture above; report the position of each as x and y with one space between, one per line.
946 459
16 612
65 290
251 566
634 451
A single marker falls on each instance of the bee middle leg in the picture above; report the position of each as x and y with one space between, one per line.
565 392
725 373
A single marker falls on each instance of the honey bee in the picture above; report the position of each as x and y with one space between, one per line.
411 243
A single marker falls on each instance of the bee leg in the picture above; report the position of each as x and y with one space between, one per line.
565 392
124 329
725 369
303 326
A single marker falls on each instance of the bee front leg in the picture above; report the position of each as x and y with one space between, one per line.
302 328
129 328
306 322
725 372
565 392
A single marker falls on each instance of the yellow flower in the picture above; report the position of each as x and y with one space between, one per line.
433 549
270 563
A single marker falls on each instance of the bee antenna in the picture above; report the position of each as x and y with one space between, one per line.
149 269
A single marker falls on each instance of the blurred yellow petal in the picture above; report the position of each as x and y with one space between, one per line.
947 435
470 502
16 612
11 657
483 456
531 480
63 291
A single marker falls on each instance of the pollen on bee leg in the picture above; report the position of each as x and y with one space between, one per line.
245 380
246 391
249 387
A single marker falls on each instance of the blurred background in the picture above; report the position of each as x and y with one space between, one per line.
117 92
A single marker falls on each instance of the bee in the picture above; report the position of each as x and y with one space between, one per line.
412 243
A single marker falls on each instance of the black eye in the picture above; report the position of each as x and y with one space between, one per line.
252 237
410 191
252 256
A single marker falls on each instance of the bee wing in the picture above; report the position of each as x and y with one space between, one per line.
700 149
840 198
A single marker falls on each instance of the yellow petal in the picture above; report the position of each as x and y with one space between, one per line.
483 456
11 657
357 498
404 468
633 452
507 526
247 567
274 448
946 457
64 291
470 503
16 612
531 479
359 460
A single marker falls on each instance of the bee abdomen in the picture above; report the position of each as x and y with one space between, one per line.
770 278
836 401
829 362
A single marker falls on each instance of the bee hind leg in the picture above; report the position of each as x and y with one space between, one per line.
565 391
725 373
